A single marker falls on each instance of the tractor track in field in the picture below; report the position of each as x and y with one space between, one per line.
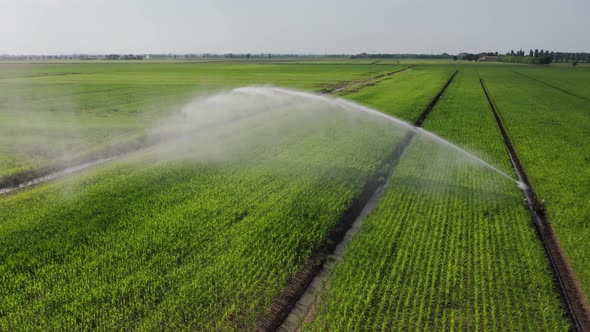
568 286
297 303
28 178
43 75
367 82
36 176
551 86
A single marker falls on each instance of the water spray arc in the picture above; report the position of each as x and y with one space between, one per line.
292 313
415 129
571 293
240 104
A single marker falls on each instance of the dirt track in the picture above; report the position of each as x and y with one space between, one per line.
367 82
34 176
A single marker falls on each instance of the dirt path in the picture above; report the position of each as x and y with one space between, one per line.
368 82
299 301
55 175
567 284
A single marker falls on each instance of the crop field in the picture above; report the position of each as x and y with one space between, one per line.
84 108
408 93
193 243
448 245
220 193
550 129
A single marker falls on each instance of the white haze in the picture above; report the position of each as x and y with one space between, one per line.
250 124
281 111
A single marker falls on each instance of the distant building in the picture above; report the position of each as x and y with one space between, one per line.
88 57
132 57
488 58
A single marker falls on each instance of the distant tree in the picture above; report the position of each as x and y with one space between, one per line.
512 52
575 63
248 56
496 53
470 57
531 53
454 58
541 53
536 53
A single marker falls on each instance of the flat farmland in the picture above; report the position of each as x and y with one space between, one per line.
55 112
449 244
550 129
223 191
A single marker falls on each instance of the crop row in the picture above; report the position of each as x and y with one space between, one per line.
450 246
573 81
549 129
406 94
185 240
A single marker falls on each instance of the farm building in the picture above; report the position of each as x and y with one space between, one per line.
488 58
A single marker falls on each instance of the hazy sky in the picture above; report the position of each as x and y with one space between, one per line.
302 26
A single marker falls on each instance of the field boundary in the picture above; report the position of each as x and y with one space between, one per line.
572 295
430 106
551 86
367 82
35 176
284 304
60 169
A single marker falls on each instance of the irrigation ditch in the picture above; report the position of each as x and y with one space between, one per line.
295 303
35 176
569 289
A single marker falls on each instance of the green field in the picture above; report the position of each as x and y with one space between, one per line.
550 129
205 230
448 245
61 111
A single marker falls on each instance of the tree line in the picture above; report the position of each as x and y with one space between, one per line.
400 56
533 56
